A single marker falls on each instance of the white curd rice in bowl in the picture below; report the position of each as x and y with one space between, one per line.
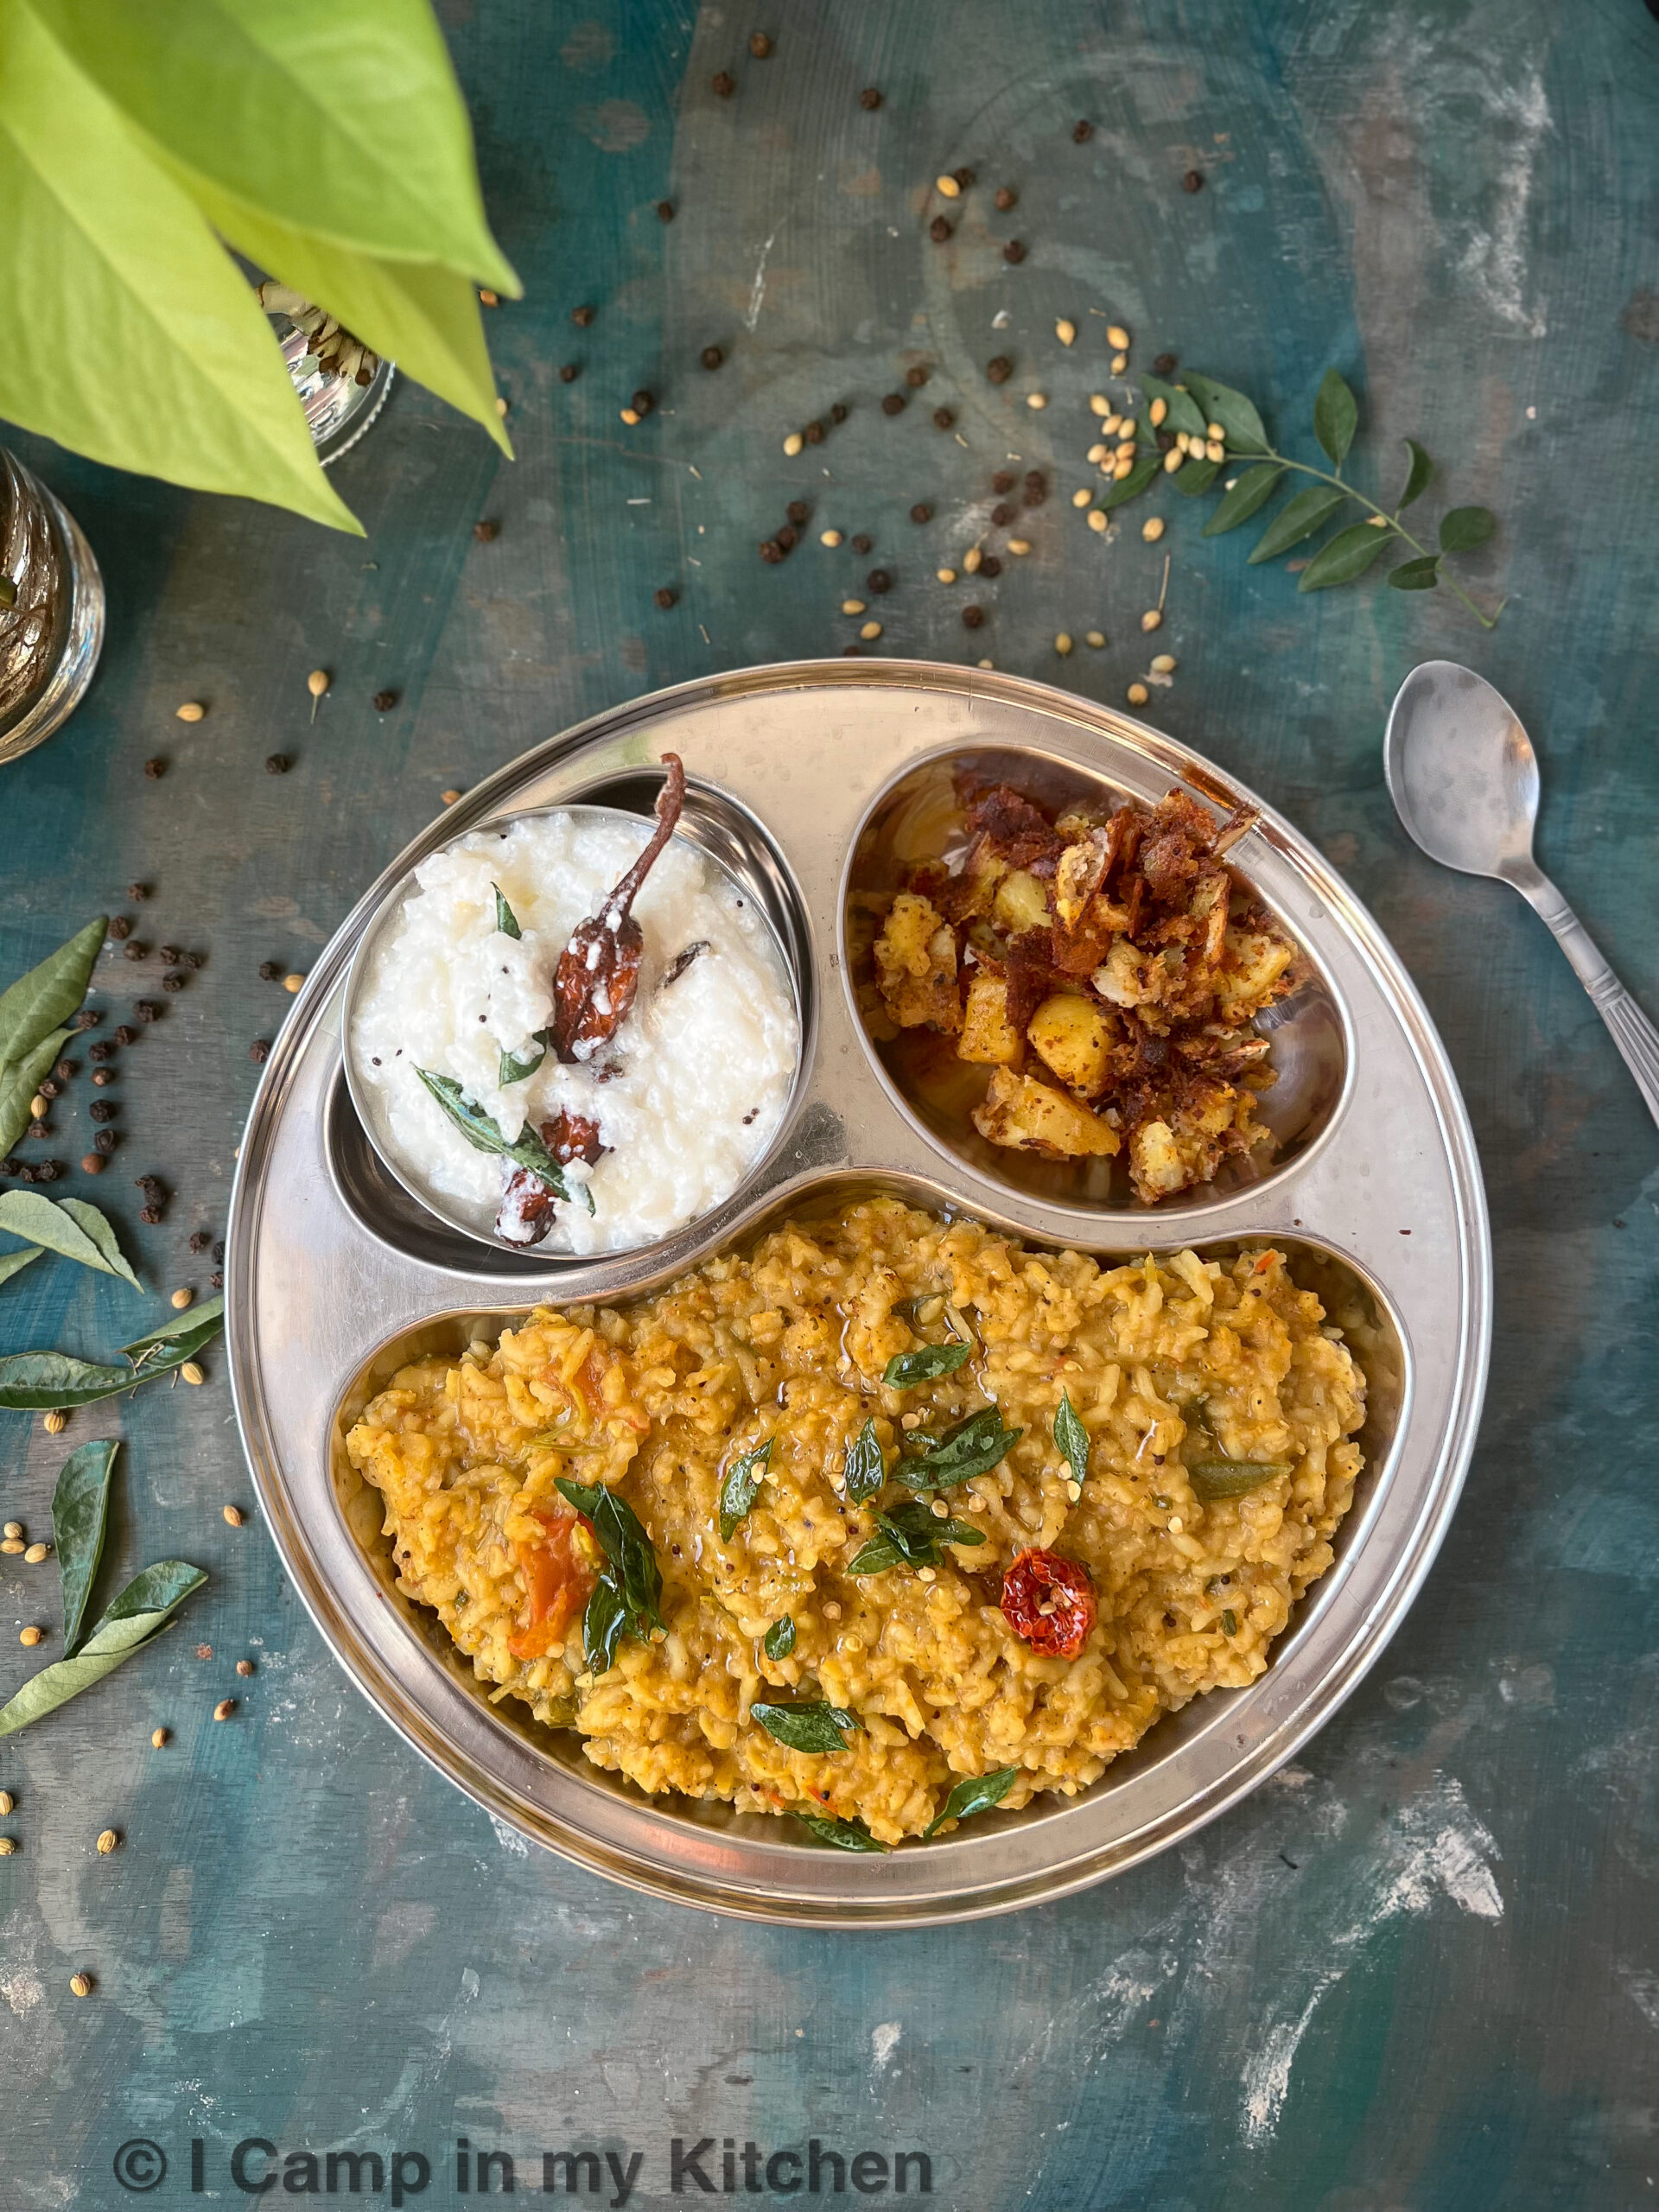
687 1094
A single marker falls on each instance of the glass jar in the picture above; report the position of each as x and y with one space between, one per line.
51 611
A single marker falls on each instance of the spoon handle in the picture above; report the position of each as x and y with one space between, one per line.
1634 1034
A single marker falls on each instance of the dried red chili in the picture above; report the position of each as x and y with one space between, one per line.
1049 1603
571 1137
599 970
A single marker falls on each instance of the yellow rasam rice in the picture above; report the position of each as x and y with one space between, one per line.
1176 1366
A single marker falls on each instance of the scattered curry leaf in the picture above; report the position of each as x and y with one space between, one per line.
1465 527
907 1368
1421 573
842 1836
70 1227
1195 477
1343 557
80 1506
1132 486
1183 411
975 1793
1245 431
741 1487
1299 519
39 1382
1072 1438
20 1079
973 1447
44 999
132 1622
13 1263
866 1468
812 1726
1336 416
1418 475
779 1639
1253 490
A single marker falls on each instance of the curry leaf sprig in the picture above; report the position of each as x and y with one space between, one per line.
37 1381
627 1598
1193 412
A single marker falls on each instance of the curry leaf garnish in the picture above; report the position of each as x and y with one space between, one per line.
1072 1438
911 1535
1214 1478
526 1149
779 1639
973 1447
975 1793
843 1835
516 1067
627 1598
866 1469
741 1487
135 1619
907 1368
506 921
813 1727
1198 405
72 1227
1336 416
80 1506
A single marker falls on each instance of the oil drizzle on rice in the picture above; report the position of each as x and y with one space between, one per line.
790 1342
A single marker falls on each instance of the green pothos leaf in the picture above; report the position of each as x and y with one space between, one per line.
975 1793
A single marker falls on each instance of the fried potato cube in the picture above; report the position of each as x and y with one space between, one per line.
1250 975
1028 1117
988 1035
1022 903
1171 1156
1073 1036
916 965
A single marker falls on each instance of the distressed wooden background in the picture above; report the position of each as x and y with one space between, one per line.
1421 1969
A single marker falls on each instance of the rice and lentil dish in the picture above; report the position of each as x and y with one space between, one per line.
850 1455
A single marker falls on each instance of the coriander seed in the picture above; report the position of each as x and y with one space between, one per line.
181 1299
225 1708
107 1842
157 1739
81 1983
234 1516
192 1374
191 711
34 1554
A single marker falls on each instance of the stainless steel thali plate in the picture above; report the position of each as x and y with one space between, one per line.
801 776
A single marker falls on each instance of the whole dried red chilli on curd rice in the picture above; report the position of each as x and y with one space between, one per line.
679 1067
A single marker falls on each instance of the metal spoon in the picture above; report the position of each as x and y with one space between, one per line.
1464 779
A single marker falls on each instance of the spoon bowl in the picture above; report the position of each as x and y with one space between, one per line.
1461 771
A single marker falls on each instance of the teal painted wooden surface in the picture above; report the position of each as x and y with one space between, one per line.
1421 1970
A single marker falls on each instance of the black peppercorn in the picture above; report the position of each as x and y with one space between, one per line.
711 357
1014 251
798 511
861 544
151 1185
49 1089
1006 197
1002 514
219 1249
893 403
921 512
998 369
149 1216
101 1076
1165 366
582 317
1192 182
133 951
48 1170
10 1167
664 597
838 413
789 537
568 372
643 402
200 1240
138 893
104 1141
813 434
65 1071
771 551
1082 132
665 211
216 1282
120 927
37 1130
916 377
851 652
125 1036
938 230
168 957
384 701
172 983
154 769
146 1009
879 580
944 419
258 1049
869 97
101 1110
990 566
1036 488
88 1017
1002 481
102 1051
487 531
964 179
759 45
972 617
722 85
1165 440
276 764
